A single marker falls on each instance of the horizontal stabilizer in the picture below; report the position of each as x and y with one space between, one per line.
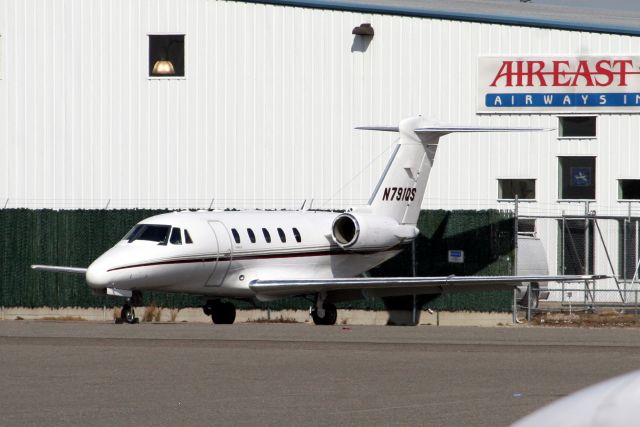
457 128
445 129
380 128
59 269
444 283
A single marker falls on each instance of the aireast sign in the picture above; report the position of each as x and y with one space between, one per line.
559 84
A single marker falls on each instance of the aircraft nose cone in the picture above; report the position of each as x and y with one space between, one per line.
97 276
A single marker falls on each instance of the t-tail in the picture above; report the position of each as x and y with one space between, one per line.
401 187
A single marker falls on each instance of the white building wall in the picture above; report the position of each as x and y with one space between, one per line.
264 117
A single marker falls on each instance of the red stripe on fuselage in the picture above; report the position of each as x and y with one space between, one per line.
253 257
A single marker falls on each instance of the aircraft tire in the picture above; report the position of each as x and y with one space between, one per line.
223 313
330 315
127 315
207 309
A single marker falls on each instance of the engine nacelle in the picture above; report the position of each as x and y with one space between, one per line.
355 231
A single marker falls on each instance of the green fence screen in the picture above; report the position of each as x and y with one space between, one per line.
77 237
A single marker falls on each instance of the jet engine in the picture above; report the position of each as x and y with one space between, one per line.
355 231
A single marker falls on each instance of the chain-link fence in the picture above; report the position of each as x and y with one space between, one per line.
590 243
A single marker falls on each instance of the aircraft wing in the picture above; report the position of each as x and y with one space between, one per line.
428 284
59 269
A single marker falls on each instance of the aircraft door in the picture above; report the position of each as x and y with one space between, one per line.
224 254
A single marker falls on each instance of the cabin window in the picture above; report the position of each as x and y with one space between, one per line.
252 236
283 238
176 237
187 237
131 232
296 234
149 232
236 235
267 236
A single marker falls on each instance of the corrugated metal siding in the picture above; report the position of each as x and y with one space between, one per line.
264 117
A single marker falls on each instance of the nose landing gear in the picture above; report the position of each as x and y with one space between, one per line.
128 314
222 313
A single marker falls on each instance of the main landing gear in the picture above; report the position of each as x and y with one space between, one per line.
324 313
222 313
128 314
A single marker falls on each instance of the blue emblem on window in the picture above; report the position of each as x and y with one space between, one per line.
580 177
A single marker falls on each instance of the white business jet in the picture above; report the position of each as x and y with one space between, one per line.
268 255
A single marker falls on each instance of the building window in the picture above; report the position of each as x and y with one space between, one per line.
166 55
577 127
267 236
629 189
577 177
573 253
629 237
236 235
525 189
252 236
527 226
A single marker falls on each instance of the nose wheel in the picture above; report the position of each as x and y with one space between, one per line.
128 315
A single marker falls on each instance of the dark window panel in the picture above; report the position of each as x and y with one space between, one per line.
629 189
577 127
524 188
166 48
577 177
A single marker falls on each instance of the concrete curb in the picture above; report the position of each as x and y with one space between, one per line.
195 315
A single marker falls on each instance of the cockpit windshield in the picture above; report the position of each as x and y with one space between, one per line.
149 232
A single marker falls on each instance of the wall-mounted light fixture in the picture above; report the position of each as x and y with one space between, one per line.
163 67
364 29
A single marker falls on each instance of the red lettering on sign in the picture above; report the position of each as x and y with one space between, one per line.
564 73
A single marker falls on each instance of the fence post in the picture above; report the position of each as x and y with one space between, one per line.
514 316
413 273
529 301
587 239
625 247
414 314
562 270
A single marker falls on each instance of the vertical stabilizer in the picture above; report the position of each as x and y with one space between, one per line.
401 187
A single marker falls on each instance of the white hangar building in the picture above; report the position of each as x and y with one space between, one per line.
253 104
